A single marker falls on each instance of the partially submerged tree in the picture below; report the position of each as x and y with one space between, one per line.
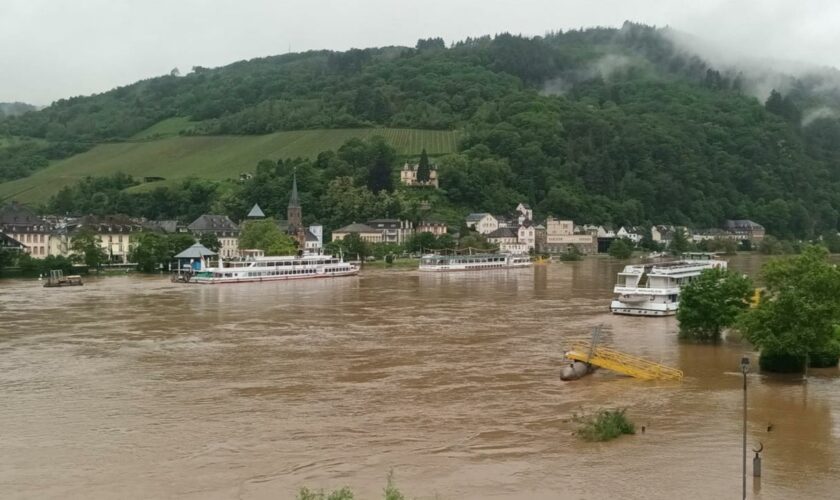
797 320
87 249
621 249
266 236
711 303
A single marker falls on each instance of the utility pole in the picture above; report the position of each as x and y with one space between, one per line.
745 367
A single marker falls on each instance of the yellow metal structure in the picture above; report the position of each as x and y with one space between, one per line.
756 297
623 363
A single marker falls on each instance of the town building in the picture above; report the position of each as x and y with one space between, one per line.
393 230
225 230
527 235
483 223
524 213
630 233
507 240
23 225
408 176
115 233
9 243
436 228
315 238
365 232
561 237
745 230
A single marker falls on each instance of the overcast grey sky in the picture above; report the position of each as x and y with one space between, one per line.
51 49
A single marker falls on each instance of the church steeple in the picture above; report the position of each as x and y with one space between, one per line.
294 214
293 199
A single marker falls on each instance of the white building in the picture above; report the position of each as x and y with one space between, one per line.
408 175
316 244
560 237
484 223
524 213
507 241
527 235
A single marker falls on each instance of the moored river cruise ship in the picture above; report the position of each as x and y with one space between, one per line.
278 268
475 262
654 289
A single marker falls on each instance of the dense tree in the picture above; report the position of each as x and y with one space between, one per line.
424 169
351 246
621 248
679 241
797 319
711 302
150 252
266 236
155 251
7 258
87 249
601 125
210 241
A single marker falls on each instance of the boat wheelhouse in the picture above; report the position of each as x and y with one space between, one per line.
475 262
654 289
260 268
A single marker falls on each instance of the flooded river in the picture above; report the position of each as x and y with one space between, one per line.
134 387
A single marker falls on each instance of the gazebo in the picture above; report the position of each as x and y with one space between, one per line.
194 257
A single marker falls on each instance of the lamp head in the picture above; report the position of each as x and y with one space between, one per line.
745 363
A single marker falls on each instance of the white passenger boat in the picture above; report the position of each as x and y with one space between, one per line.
475 262
654 289
274 269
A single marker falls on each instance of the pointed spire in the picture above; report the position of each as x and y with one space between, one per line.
256 212
293 199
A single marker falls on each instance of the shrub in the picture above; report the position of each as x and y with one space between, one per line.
605 425
781 363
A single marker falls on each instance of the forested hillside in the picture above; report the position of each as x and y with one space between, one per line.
601 125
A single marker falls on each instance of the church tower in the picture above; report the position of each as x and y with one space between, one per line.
294 214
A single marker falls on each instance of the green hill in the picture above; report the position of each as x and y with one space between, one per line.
602 125
209 157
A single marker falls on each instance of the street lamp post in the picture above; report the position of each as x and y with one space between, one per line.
745 367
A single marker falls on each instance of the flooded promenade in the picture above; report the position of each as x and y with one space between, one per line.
134 387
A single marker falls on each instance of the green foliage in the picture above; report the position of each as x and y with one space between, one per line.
154 251
831 240
711 302
87 249
771 245
353 247
621 248
725 245
424 169
266 236
604 425
30 266
572 255
800 307
476 241
679 242
7 258
210 241
659 137
391 492
342 494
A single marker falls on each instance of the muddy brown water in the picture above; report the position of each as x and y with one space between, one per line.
134 387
